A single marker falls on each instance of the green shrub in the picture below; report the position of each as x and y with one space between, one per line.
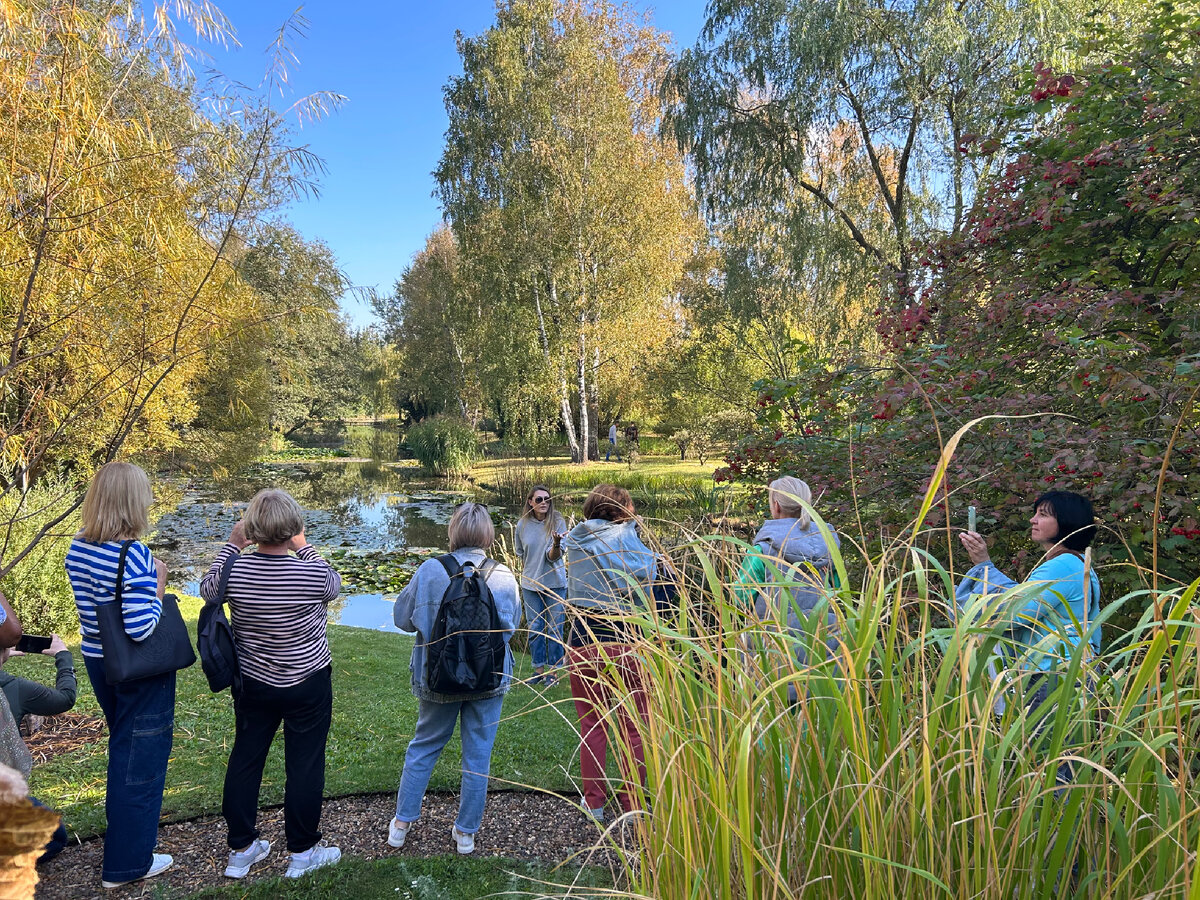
38 588
445 445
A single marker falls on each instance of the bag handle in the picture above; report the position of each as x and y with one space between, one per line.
223 583
117 593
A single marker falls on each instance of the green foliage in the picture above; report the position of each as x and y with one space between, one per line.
37 586
444 445
892 775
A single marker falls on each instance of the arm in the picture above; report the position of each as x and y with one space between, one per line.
307 552
751 575
10 626
406 603
42 700
141 605
518 543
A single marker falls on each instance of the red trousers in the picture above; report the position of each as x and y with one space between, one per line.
606 682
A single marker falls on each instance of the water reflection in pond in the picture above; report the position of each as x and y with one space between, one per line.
355 505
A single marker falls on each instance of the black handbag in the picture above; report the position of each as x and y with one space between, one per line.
214 640
167 649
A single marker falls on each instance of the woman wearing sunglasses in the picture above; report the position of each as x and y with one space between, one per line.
537 540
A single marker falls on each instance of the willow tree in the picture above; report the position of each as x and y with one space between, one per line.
125 188
770 81
574 219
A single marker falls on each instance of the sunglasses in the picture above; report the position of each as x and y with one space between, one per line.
541 499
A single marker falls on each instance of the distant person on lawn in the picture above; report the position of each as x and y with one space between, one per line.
612 443
471 533
140 714
277 604
537 541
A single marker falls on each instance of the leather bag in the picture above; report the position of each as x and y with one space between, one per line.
167 649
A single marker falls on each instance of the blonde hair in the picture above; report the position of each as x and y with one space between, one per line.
117 504
552 515
471 526
788 492
272 517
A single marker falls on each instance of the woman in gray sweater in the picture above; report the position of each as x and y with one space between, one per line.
537 540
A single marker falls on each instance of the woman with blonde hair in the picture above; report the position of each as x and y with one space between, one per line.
786 576
140 714
278 596
537 541
470 533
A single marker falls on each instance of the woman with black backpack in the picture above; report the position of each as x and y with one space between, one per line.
464 609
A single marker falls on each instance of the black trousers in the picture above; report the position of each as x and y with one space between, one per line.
305 710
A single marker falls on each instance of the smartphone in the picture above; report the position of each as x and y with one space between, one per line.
970 518
33 643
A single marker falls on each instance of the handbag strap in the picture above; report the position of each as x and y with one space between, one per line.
223 583
121 571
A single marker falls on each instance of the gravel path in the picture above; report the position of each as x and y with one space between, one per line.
516 825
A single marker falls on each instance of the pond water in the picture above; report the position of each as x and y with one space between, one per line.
376 519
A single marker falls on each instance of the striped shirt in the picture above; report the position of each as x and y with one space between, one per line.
277 609
92 571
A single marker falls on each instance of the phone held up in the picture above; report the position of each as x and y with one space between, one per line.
33 643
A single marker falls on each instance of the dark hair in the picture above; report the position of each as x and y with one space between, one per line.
607 501
1076 518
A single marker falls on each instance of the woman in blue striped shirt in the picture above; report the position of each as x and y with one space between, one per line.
140 714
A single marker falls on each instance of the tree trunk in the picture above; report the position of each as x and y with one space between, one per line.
559 369
581 376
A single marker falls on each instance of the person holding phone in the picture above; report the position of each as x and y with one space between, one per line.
537 540
28 697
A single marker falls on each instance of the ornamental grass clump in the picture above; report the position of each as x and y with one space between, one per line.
907 764
444 445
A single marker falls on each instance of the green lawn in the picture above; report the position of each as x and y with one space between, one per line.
373 718
429 878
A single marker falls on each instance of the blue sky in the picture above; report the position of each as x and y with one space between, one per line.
390 60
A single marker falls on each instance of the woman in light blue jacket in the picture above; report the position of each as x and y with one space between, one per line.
537 540
607 563
471 532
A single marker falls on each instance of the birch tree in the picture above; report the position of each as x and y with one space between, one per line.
573 217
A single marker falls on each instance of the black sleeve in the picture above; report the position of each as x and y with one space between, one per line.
42 700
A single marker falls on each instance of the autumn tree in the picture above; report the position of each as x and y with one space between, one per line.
126 188
772 83
573 218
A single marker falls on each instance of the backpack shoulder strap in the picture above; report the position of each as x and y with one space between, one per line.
487 567
119 588
450 563
223 584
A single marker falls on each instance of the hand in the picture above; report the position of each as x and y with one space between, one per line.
558 536
56 645
976 546
160 570
238 536
296 541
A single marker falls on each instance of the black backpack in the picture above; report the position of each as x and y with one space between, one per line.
466 651
214 640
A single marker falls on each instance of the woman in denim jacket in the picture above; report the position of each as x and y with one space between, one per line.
471 532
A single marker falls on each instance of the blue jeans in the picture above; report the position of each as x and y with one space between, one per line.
612 448
545 615
141 727
435 724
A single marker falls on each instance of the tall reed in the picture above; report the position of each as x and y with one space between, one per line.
909 765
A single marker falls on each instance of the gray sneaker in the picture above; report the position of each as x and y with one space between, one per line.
159 863
312 858
240 861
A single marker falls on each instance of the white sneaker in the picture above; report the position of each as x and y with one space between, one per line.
240 861
159 863
463 842
397 832
312 858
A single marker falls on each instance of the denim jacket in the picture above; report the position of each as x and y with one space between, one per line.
417 608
